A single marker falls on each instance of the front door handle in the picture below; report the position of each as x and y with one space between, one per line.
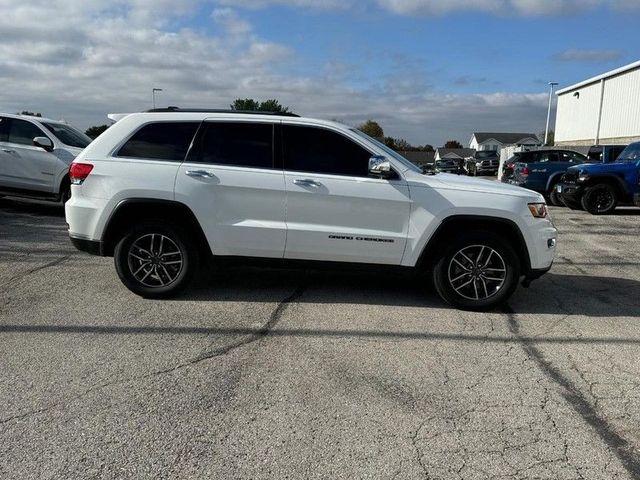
306 182
199 174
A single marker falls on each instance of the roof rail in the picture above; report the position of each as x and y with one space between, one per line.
219 110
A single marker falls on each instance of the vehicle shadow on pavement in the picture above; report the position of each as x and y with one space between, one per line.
552 294
11 206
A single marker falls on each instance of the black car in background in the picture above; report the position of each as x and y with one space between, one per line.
448 165
483 161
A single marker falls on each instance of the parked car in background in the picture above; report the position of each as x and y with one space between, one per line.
599 188
448 165
604 153
35 154
541 170
483 162
163 191
508 166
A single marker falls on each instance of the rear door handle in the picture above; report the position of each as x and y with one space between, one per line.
306 182
199 174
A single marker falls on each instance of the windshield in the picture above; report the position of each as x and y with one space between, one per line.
486 154
395 155
630 154
68 135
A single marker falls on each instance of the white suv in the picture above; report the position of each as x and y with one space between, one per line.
35 154
163 191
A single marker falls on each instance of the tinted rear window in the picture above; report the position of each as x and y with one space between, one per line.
160 141
240 144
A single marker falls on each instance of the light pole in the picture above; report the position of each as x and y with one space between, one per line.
153 95
546 130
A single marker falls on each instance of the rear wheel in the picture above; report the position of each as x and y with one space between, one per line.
477 272
155 260
600 199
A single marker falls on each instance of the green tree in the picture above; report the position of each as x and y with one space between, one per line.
93 132
402 145
251 105
373 129
453 144
31 114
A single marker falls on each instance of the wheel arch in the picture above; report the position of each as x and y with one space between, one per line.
456 224
614 180
554 178
169 211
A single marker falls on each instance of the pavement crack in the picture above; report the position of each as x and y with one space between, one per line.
625 452
20 276
262 332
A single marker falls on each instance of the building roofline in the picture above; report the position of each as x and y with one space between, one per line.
604 76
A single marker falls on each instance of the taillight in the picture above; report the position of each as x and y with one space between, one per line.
78 172
509 166
525 172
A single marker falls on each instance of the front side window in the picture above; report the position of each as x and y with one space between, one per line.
68 135
160 141
23 132
630 154
317 150
239 144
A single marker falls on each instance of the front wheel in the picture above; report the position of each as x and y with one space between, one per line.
555 198
477 272
155 260
600 199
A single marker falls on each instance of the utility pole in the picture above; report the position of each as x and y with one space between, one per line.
546 130
153 95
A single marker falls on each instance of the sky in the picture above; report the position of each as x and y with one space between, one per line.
427 70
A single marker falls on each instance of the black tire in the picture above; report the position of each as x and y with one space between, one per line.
65 195
554 198
601 199
570 204
165 277
462 297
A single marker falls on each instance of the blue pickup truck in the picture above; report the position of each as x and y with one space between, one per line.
541 170
599 188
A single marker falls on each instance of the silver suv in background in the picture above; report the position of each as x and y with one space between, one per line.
35 154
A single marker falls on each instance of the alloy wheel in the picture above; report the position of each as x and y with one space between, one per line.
477 272
155 260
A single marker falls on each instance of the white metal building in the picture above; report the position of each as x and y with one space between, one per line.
601 110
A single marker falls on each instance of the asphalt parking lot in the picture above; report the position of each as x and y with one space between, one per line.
281 374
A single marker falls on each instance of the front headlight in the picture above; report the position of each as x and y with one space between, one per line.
538 210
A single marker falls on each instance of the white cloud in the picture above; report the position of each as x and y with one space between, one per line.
439 7
576 55
93 57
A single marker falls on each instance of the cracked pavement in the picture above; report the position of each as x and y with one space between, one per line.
290 374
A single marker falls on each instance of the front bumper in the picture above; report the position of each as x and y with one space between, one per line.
571 191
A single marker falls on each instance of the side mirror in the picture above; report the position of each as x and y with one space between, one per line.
43 142
380 166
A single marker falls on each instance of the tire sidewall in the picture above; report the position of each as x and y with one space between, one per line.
446 291
182 241
588 197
